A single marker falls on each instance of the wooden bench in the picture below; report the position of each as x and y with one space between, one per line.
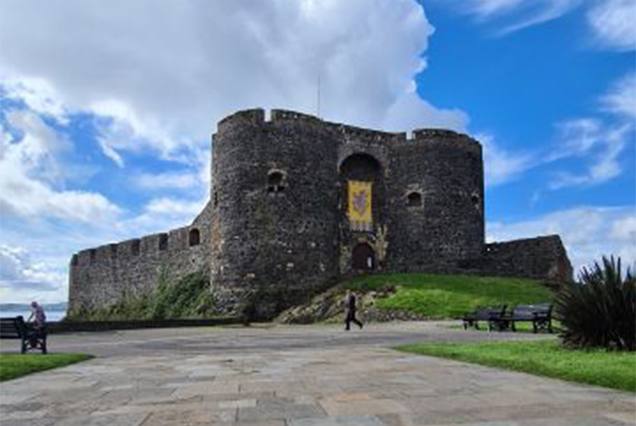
16 328
491 315
540 315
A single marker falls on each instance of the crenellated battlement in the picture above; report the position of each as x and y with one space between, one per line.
345 132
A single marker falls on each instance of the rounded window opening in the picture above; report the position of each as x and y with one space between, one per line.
194 238
414 199
363 257
275 182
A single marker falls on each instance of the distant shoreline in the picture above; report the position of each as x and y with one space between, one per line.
59 306
51 314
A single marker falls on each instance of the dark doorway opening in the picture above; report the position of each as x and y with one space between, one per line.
363 257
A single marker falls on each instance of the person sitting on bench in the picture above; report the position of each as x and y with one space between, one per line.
39 321
37 315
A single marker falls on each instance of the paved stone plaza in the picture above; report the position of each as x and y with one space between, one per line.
293 375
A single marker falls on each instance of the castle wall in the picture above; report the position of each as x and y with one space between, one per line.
105 275
542 258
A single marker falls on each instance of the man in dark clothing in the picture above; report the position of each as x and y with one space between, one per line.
350 307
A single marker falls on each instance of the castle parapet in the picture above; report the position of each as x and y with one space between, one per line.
254 116
286 115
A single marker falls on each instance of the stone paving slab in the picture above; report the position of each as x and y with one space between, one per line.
352 383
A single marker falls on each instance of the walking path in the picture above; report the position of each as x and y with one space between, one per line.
302 375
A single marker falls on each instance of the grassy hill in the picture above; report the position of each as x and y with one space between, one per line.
409 296
449 296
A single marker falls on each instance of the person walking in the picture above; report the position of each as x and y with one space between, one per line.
350 310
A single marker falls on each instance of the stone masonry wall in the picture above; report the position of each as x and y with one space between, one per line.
542 258
105 275
445 169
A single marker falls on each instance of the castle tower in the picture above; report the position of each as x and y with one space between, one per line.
299 203
275 186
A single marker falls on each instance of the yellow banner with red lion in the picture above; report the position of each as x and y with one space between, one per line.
359 210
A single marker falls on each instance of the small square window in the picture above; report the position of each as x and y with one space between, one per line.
414 199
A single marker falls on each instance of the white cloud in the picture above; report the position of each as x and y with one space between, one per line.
613 23
577 137
621 97
162 73
598 142
26 280
168 180
487 8
625 229
109 151
587 232
500 165
161 214
30 176
38 95
37 149
515 15
605 143
548 11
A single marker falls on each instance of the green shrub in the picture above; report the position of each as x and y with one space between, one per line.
189 297
600 309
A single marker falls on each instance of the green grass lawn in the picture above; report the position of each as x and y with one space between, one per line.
450 296
544 358
522 327
17 365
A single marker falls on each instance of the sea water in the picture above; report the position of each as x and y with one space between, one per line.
50 315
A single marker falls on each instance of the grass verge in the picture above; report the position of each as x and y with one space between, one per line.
17 365
548 358
450 296
521 327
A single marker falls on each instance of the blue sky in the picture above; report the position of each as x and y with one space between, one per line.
106 109
520 87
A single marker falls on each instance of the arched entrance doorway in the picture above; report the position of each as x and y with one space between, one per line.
363 257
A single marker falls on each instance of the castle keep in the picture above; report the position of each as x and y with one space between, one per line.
298 203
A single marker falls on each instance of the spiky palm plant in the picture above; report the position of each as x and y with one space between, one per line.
600 309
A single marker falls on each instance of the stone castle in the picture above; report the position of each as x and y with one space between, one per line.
298 203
